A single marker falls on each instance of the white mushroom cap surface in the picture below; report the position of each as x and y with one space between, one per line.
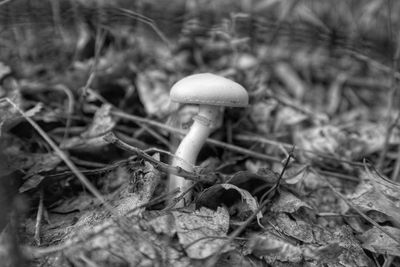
209 89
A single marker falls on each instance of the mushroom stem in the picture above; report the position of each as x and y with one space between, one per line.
189 148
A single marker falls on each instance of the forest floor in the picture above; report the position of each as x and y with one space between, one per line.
308 174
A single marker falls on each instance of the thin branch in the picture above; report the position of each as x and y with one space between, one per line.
39 217
263 140
161 166
181 133
348 202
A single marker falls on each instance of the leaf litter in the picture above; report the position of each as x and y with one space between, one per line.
312 105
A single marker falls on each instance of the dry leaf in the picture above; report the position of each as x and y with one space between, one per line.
143 182
261 115
42 163
163 224
376 193
290 79
323 140
154 92
289 203
102 122
9 116
273 248
78 203
31 183
376 241
295 174
202 232
330 247
239 201
4 71
92 138
351 142
292 226
289 116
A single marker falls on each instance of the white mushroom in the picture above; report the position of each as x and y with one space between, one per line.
210 92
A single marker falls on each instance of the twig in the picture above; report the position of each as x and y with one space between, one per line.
297 107
156 135
27 86
385 148
278 182
393 88
99 42
260 139
4 2
132 14
396 171
161 166
70 109
99 170
374 63
182 133
362 214
181 197
225 145
340 176
62 155
39 216
213 260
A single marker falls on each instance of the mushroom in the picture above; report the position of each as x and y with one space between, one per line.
210 92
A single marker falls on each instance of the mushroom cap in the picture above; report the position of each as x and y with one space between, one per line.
209 89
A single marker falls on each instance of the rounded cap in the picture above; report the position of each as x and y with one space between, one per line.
209 89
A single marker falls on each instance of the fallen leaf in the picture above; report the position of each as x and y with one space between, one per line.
102 123
290 79
35 175
289 116
376 193
143 182
163 224
377 241
9 116
4 70
78 203
202 232
31 183
320 140
261 115
92 138
239 201
247 61
329 247
43 163
292 226
295 174
289 203
351 142
154 92
273 248
235 258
